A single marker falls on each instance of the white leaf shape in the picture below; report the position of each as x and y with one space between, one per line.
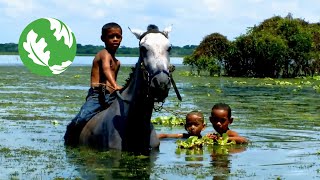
36 49
57 69
61 30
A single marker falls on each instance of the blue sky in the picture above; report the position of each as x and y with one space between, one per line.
192 19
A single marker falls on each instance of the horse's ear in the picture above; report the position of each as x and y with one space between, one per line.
136 32
167 30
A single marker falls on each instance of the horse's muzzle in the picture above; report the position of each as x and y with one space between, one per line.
160 85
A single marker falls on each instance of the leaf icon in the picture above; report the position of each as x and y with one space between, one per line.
36 49
61 30
57 69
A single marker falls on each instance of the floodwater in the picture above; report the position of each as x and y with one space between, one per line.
280 117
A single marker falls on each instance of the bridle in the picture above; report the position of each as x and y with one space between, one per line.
147 77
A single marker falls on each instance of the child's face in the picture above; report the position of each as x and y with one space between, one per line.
112 38
220 120
194 125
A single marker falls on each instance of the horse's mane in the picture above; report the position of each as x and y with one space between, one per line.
128 80
152 29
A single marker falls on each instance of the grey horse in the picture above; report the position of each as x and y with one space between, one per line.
126 125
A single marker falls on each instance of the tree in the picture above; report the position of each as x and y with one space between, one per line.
269 55
209 55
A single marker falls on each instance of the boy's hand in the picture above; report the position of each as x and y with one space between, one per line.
118 88
212 136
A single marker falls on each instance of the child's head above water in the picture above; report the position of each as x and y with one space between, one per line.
222 106
194 123
221 117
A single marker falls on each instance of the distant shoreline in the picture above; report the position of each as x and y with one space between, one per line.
118 55
14 59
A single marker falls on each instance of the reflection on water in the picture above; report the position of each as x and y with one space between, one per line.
220 159
93 164
281 122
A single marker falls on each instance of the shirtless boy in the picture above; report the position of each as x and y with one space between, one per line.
221 119
105 67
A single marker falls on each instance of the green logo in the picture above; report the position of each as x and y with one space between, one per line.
47 46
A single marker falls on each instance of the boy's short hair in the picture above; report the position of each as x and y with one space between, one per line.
224 107
197 113
108 26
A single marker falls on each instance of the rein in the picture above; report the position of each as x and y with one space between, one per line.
147 78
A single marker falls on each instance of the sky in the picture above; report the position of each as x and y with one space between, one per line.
191 20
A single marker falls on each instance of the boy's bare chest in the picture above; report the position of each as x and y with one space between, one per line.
114 64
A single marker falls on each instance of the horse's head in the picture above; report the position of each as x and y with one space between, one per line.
154 58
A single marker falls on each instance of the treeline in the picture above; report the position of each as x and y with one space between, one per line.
277 47
91 50
176 51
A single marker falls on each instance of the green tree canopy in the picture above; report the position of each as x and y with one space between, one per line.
278 46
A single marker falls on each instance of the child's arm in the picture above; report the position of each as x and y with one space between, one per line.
234 136
160 136
106 59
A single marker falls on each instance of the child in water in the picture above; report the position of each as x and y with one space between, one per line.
220 119
194 125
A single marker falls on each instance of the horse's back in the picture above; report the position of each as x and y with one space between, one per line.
100 132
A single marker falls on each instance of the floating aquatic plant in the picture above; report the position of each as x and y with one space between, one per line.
195 142
316 78
316 88
223 141
186 73
239 82
168 121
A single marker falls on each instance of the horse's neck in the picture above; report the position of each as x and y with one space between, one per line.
131 90
139 110
135 92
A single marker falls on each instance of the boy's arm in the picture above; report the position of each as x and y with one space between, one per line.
106 59
234 136
160 136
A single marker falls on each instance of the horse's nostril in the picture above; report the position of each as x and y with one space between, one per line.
155 82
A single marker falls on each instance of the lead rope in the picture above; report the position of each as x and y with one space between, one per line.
159 108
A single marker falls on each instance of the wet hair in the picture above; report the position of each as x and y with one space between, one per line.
224 107
108 26
197 113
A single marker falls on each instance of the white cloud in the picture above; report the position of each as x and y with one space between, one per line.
192 20
215 5
284 7
16 8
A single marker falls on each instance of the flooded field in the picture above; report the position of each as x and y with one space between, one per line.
280 117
